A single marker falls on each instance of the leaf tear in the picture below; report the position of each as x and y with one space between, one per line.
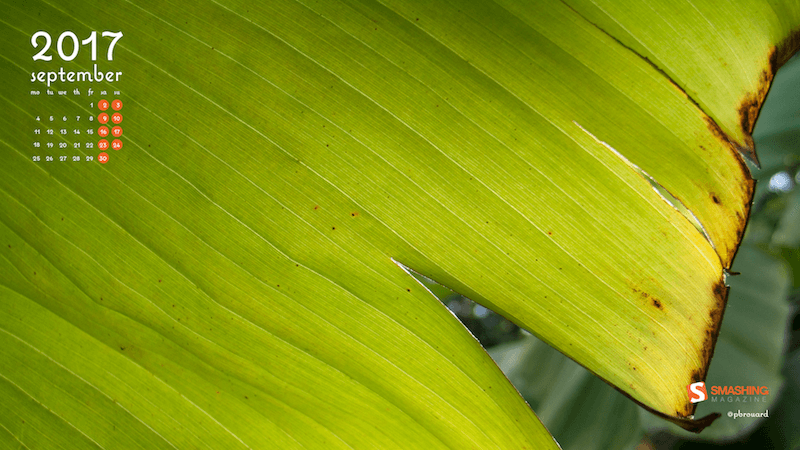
663 192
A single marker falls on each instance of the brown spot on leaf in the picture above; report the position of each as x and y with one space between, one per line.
715 198
316 207
657 303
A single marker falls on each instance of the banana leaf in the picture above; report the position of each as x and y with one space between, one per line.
237 274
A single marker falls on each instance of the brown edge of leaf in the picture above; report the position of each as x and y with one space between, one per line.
684 421
750 105
748 185
749 109
682 418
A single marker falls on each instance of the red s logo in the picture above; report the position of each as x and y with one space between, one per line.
697 392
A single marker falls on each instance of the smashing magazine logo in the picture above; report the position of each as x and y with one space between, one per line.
698 393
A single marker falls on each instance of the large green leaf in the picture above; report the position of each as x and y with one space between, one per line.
236 275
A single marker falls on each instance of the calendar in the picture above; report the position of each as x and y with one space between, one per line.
77 114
